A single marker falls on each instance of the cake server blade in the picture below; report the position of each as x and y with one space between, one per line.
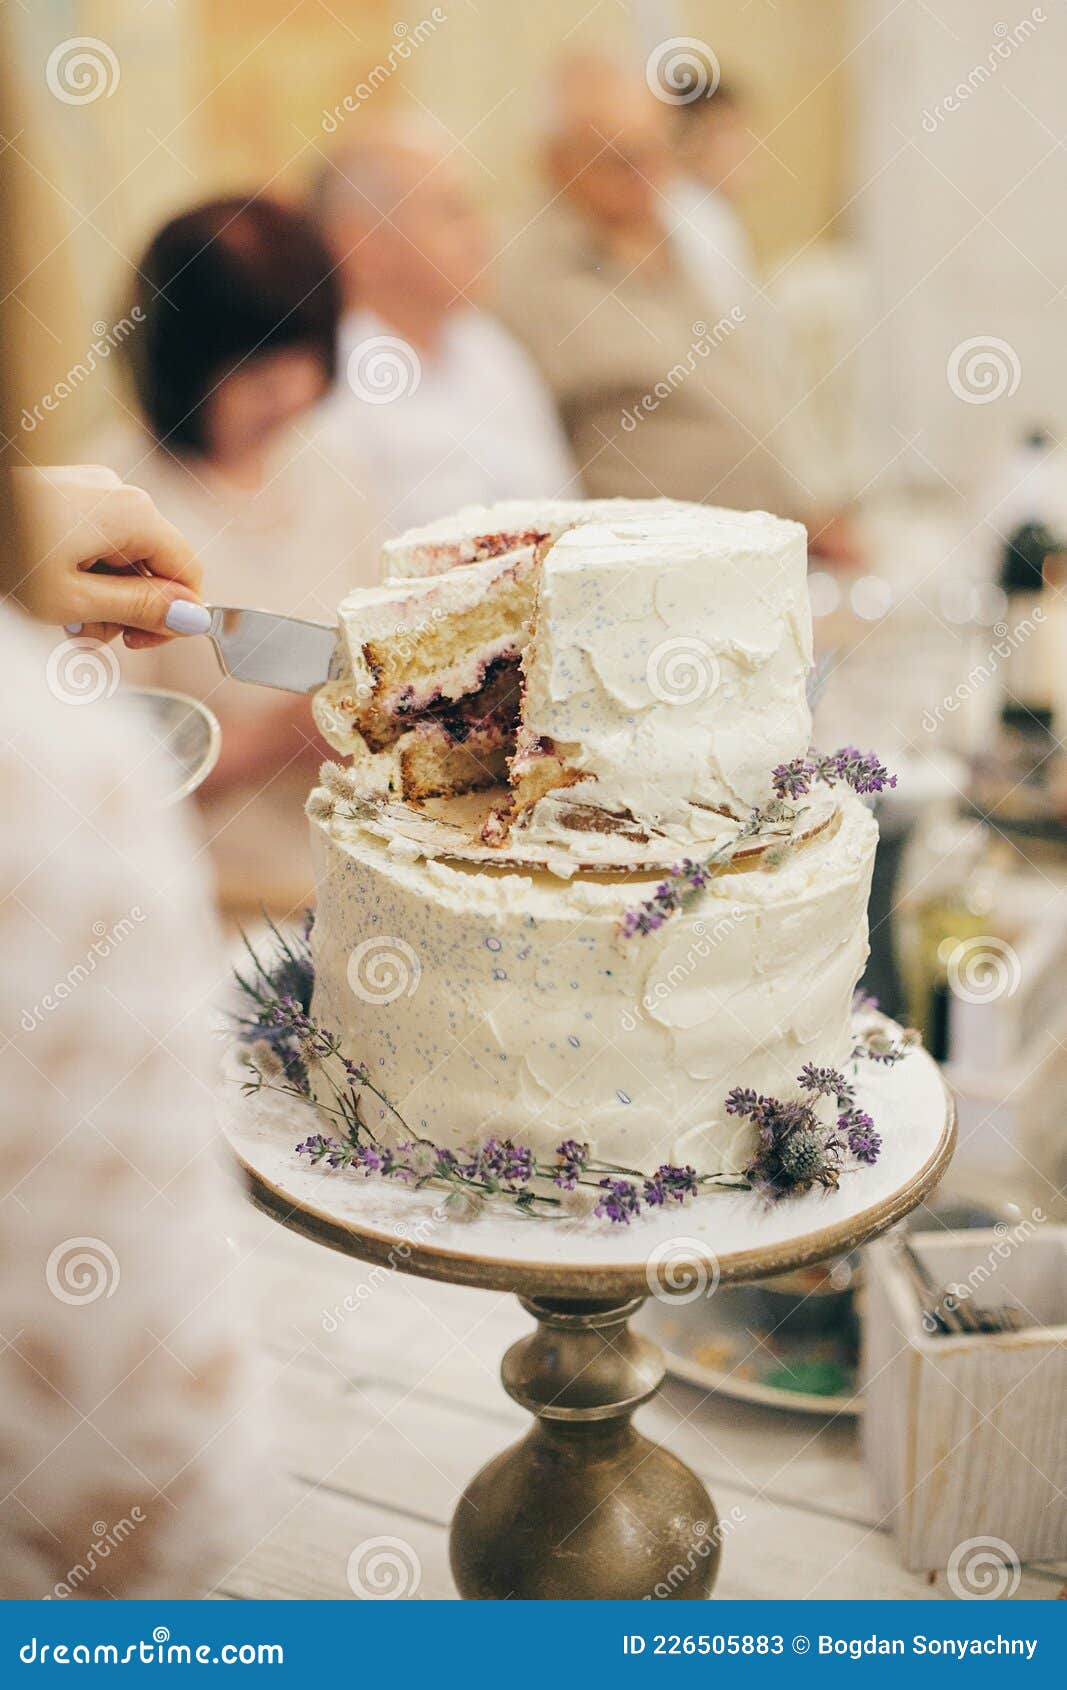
270 650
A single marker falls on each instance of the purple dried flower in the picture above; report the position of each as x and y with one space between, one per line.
825 1082
572 1158
742 1101
620 1202
863 1141
670 1183
794 1151
859 769
801 1156
315 1147
499 1162
793 780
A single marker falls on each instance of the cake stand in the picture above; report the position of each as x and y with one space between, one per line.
584 1506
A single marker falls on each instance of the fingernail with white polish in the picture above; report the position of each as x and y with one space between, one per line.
185 617
73 627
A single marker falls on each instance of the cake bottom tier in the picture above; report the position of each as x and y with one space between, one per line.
489 1001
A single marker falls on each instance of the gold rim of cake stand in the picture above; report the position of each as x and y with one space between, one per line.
599 1279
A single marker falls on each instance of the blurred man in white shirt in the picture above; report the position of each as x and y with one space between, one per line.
716 164
713 150
441 401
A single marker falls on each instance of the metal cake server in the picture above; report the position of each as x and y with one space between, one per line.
270 650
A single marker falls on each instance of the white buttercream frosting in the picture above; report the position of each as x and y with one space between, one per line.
482 531
494 1001
669 660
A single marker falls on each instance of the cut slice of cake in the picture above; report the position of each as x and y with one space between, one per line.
427 698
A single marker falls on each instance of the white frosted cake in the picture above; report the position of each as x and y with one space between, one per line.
596 690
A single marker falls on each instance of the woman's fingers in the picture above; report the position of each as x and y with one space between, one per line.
83 515
153 605
131 531
135 638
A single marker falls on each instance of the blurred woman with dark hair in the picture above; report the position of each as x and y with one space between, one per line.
237 309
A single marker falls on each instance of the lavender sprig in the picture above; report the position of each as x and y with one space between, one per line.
860 770
687 879
826 1082
863 1141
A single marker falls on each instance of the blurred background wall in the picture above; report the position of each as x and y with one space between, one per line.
865 211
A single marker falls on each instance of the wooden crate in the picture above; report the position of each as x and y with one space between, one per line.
966 1437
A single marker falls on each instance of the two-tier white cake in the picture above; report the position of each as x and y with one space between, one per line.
545 706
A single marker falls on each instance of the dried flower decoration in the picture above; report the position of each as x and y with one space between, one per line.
285 1046
859 769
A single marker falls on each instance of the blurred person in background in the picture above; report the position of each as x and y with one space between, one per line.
435 394
660 390
715 164
236 346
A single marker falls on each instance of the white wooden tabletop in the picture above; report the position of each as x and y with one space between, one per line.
386 1394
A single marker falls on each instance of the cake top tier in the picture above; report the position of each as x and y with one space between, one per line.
617 666
477 532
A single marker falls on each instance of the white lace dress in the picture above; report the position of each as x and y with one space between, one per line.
126 1402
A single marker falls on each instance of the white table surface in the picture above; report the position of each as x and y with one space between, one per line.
384 1410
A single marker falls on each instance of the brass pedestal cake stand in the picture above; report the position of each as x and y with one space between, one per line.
584 1506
